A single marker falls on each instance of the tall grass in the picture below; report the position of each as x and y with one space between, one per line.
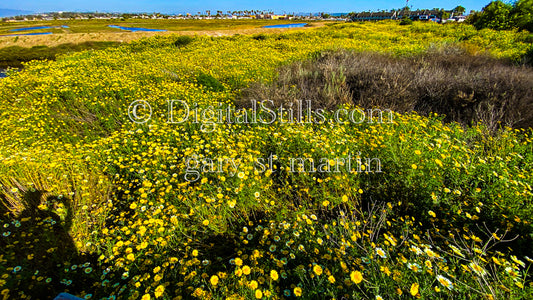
445 80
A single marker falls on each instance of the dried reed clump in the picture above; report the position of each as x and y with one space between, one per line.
466 88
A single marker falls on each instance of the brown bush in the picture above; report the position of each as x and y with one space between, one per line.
466 88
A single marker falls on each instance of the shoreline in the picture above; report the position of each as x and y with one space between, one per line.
31 47
56 39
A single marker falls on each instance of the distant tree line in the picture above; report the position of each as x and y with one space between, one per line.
499 15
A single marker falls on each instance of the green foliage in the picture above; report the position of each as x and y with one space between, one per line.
406 21
503 16
183 41
523 14
496 15
459 10
209 82
259 37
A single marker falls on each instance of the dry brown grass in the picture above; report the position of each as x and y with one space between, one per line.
466 88
76 38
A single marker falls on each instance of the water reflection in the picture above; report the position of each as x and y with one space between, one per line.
294 25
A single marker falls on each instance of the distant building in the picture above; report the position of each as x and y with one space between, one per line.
374 16
270 17
420 15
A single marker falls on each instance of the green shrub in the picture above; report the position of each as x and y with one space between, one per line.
259 37
183 41
500 15
406 21
209 82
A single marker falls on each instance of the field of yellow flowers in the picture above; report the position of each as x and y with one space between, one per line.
103 206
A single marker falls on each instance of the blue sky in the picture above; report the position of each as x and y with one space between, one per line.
279 6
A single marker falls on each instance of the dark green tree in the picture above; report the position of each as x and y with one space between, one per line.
406 20
459 10
522 14
496 15
442 14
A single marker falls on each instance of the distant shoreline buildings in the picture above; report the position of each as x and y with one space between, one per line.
420 14
205 16
435 15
